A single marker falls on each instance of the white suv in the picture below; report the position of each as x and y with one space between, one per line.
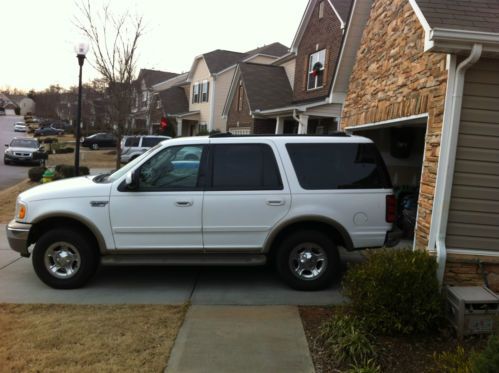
133 146
219 200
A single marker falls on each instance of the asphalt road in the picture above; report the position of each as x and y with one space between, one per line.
10 174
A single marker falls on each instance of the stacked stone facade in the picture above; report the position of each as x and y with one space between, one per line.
394 78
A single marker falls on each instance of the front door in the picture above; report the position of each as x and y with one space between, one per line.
165 212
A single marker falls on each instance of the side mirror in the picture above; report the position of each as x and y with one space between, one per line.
132 179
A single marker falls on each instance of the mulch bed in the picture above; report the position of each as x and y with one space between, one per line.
411 354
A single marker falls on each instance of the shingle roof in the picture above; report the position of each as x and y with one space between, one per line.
343 8
469 15
275 49
266 86
219 59
174 101
152 77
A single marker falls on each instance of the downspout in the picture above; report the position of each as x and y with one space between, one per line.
448 158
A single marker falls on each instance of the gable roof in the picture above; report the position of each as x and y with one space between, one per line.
470 15
178 80
152 77
219 59
174 101
275 49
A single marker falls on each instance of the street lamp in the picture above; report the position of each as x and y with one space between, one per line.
81 50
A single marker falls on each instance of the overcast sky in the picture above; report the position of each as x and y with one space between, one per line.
38 36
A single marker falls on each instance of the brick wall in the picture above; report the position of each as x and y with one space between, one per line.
234 115
394 78
319 34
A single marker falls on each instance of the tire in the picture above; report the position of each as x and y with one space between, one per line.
6 161
75 247
95 146
321 261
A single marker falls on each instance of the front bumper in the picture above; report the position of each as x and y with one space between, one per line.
17 235
16 158
393 237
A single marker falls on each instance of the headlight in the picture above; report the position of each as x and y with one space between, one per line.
9 152
21 211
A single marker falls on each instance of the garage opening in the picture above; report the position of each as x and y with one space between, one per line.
402 147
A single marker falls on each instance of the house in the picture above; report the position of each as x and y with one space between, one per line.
25 104
142 93
6 105
425 88
318 68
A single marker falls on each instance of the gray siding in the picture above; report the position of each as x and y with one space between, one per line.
474 209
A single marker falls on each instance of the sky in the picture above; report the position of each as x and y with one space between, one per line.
38 36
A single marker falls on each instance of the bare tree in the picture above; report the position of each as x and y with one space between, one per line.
114 40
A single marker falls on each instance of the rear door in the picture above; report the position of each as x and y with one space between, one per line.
246 195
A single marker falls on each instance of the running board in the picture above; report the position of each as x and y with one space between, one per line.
185 260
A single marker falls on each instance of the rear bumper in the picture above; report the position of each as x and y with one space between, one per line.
393 237
17 235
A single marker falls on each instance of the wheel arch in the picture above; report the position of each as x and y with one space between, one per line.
44 223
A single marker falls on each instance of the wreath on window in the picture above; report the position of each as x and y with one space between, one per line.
316 70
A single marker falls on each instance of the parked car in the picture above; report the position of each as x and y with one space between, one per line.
99 140
48 131
20 127
21 150
292 199
133 146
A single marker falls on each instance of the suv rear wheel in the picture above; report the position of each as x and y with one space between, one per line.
64 259
307 260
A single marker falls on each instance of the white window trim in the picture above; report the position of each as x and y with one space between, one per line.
310 68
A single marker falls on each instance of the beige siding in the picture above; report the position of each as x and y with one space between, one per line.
222 86
264 60
289 67
474 209
201 73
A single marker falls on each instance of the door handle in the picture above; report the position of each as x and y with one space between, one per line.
275 202
183 203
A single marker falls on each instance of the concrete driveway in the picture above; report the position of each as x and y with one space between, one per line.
158 285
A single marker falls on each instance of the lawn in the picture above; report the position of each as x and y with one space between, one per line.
8 199
87 338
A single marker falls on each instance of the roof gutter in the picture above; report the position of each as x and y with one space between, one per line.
446 164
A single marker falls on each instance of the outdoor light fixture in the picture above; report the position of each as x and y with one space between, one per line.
81 50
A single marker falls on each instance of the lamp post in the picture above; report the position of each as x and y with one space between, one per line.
81 50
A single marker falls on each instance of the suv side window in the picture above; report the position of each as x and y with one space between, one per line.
168 170
132 142
149 142
338 166
244 167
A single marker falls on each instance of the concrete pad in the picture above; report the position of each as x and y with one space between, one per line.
241 339
255 286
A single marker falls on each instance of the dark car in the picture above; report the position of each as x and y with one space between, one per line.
48 131
99 140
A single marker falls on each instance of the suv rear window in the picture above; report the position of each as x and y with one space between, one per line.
149 142
338 166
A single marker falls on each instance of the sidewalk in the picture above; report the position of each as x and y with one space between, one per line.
241 339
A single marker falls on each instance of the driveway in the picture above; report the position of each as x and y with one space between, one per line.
158 285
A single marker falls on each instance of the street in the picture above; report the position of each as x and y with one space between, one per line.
10 174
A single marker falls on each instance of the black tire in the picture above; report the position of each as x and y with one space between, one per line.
95 147
71 241
6 161
314 244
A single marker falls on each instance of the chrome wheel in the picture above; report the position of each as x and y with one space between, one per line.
308 261
62 260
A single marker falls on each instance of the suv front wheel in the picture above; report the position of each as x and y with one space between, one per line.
307 260
64 259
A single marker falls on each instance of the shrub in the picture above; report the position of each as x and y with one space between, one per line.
64 150
50 140
69 170
487 361
36 173
368 367
457 361
347 339
396 292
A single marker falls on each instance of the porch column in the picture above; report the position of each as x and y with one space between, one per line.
279 126
179 127
303 125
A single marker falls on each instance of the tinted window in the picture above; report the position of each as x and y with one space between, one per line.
245 167
132 141
338 166
168 170
149 142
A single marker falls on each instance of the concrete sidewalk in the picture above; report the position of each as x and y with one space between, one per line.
241 339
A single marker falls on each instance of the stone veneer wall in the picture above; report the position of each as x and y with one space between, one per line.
394 78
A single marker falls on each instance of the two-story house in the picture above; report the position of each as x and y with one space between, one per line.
142 93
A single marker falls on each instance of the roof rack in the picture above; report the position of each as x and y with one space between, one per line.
332 134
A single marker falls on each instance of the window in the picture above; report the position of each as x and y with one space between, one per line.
158 102
321 9
175 168
316 69
132 141
145 98
338 166
244 167
240 97
149 142
195 93
204 91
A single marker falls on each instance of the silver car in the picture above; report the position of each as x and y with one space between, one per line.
21 150
133 146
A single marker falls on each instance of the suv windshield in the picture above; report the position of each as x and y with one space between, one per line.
21 143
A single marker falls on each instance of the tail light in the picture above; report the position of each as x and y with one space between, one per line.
391 208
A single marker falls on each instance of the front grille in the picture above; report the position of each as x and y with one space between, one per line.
24 155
